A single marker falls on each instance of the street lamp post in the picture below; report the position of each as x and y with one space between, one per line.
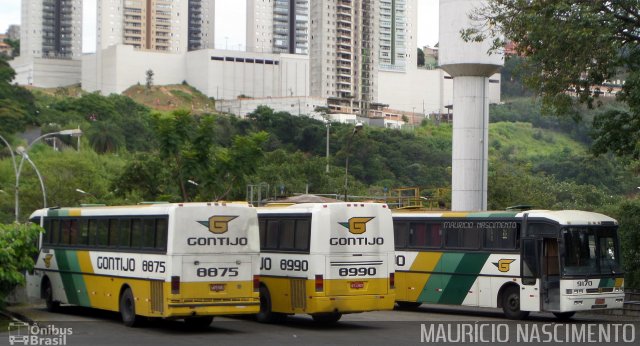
15 170
23 152
356 128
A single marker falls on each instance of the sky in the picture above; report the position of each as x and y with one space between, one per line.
229 32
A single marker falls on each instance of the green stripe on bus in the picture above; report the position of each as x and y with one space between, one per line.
466 273
452 288
434 288
74 285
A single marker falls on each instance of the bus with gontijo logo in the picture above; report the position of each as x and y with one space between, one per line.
325 259
188 261
520 261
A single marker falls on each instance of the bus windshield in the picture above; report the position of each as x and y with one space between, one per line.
590 251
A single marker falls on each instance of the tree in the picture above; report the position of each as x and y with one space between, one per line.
590 42
17 250
149 75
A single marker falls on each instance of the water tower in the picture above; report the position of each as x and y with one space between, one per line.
470 65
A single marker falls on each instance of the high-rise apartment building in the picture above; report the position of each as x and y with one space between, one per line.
343 53
51 29
398 29
278 26
174 26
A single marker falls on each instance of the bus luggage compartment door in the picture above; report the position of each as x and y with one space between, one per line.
357 275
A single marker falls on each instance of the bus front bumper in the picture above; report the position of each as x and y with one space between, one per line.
592 302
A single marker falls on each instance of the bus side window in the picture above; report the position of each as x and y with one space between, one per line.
55 232
46 237
92 227
65 230
136 233
162 229
83 238
286 234
272 235
148 233
124 233
101 232
400 233
436 235
418 232
112 235
303 235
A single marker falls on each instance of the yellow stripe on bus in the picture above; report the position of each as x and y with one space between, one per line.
619 282
426 261
84 260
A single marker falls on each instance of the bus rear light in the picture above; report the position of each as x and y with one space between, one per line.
256 283
175 285
319 283
392 280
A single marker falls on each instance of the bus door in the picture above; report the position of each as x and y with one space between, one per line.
550 274
530 271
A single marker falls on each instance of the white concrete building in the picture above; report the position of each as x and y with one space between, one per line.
398 35
50 43
220 74
278 26
298 106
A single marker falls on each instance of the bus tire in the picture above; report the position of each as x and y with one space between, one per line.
408 305
511 304
266 315
564 316
128 309
200 322
47 294
327 318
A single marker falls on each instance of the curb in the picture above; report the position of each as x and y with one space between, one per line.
16 317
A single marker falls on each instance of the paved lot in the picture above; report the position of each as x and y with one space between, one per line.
398 327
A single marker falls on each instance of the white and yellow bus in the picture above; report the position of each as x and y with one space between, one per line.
325 259
190 261
535 260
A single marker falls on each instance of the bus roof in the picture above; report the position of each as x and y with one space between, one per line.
309 207
140 209
563 217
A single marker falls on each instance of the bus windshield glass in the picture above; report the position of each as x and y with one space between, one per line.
590 251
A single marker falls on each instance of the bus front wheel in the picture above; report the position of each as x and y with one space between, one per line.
266 315
128 309
47 292
511 304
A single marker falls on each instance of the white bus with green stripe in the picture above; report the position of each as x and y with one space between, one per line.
535 260
188 261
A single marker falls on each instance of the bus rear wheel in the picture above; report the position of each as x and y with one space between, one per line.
563 316
128 309
47 293
511 304
200 322
266 315
327 318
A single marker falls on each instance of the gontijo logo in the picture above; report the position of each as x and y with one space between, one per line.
218 224
357 225
504 264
